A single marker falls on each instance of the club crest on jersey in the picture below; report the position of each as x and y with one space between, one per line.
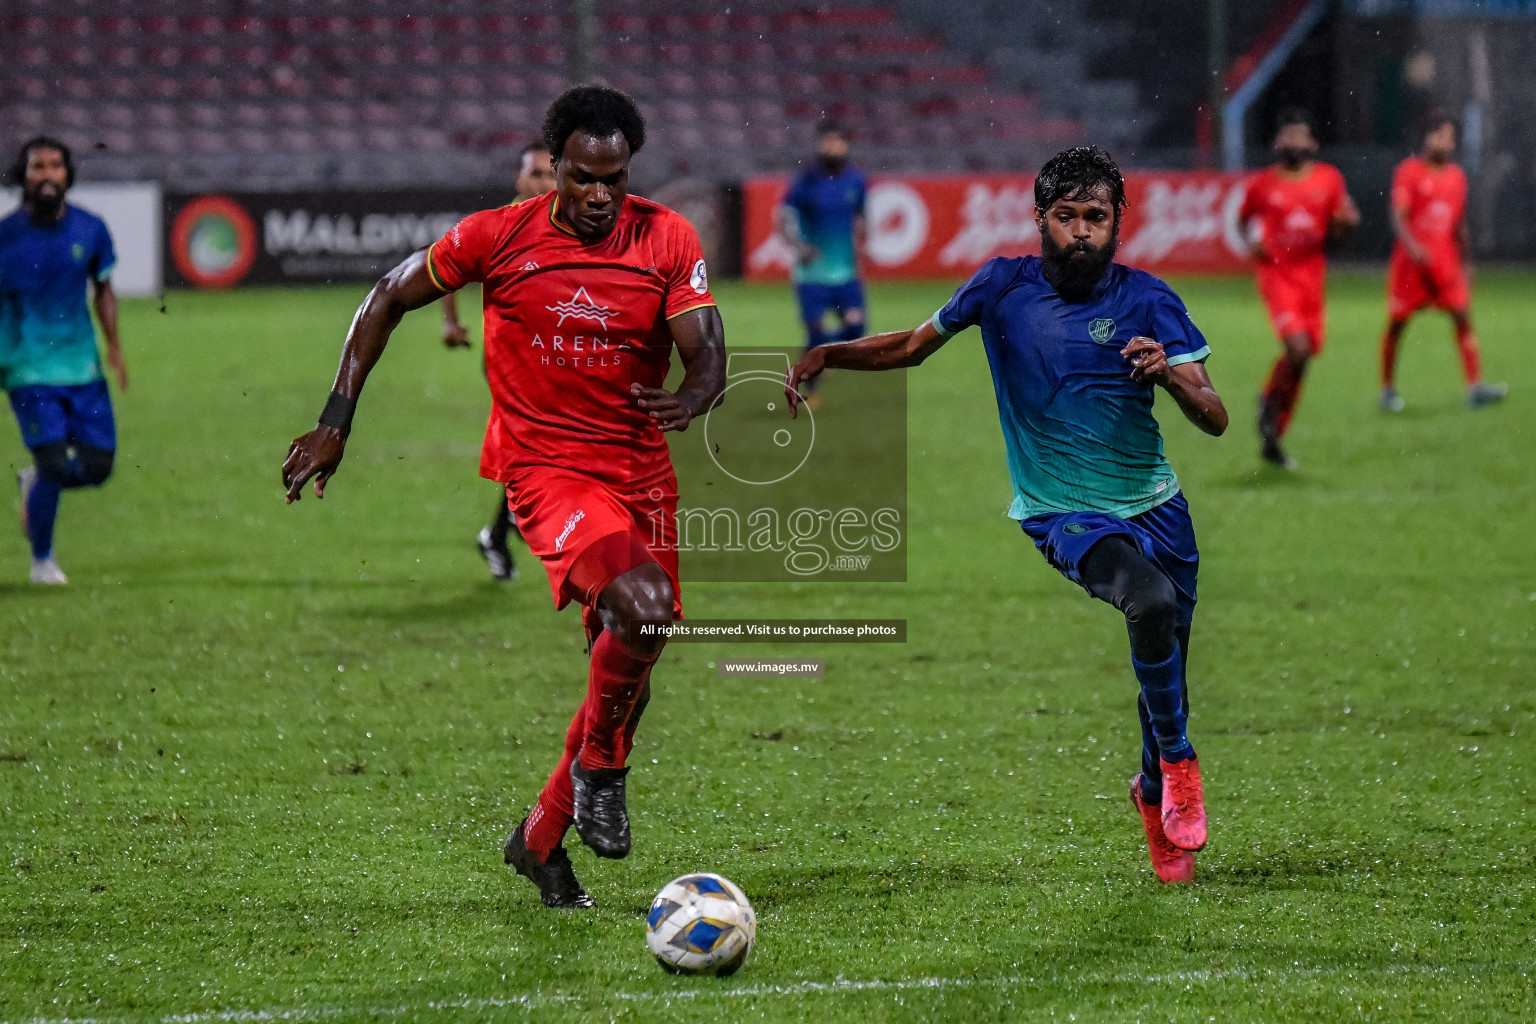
1102 330
582 307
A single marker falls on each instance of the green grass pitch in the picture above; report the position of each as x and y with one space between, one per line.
259 761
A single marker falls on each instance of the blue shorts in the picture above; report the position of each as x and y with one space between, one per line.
74 413
817 299
1165 535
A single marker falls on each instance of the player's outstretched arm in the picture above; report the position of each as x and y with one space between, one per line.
890 351
316 454
699 336
1188 383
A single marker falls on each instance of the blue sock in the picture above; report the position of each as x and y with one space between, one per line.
1162 688
42 510
851 332
1151 770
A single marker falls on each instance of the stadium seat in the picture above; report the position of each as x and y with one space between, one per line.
725 85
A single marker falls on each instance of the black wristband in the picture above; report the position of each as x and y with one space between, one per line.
338 412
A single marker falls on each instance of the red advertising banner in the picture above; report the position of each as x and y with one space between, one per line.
1178 222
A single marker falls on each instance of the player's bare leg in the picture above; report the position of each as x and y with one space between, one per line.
1391 401
1282 391
1479 392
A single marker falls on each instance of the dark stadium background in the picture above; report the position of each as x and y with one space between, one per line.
345 107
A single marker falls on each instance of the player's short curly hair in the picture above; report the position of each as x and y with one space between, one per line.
16 174
1075 174
1434 119
596 110
1293 115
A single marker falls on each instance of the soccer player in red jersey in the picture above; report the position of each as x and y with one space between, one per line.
1290 210
1431 262
586 292
535 177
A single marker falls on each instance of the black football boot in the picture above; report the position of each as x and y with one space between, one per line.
556 880
601 818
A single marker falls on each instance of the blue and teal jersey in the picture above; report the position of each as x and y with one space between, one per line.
46 333
1079 432
826 207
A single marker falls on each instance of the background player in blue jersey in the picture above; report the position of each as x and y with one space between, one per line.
1076 344
822 218
49 363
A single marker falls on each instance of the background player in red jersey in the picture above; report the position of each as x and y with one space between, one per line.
1290 210
586 290
535 177
1431 262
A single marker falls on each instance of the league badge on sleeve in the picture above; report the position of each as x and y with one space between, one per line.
699 279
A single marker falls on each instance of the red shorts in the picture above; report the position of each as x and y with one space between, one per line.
587 533
1413 286
1294 292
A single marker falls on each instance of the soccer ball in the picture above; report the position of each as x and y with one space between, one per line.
701 924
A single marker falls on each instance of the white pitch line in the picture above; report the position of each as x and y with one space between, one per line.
799 988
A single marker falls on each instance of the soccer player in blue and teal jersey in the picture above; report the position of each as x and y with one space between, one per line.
49 363
1077 345
822 218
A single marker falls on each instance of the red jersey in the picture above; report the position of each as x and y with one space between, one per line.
1433 201
1294 213
569 326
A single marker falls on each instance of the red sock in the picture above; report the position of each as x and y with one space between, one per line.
552 813
1389 342
1471 358
1283 389
618 677
618 685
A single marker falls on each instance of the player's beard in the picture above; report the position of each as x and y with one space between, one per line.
832 165
1075 270
1294 156
44 200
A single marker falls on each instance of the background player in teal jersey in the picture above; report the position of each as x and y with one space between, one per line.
49 363
1076 344
822 218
